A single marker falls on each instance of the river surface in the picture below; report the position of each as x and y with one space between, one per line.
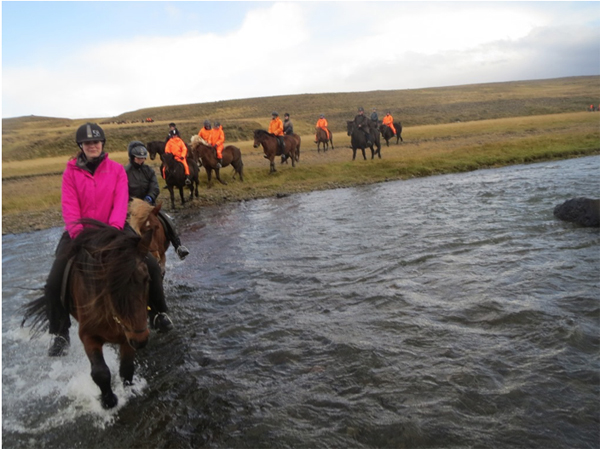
452 311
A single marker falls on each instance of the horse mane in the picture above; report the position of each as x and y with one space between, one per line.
106 260
261 132
139 211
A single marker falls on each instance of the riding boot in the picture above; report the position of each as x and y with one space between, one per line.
187 180
219 161
158 307
171 233
58 313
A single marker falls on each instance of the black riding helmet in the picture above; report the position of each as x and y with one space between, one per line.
89 132
137 149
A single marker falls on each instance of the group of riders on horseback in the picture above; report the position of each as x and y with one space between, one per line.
95 187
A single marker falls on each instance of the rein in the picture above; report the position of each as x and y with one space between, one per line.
126 329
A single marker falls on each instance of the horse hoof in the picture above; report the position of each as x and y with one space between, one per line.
109 401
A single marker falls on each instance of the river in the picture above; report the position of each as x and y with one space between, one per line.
451 311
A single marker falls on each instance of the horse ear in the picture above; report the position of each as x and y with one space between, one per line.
157 208
144 244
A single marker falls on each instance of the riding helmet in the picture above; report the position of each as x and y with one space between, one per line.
137 149
172 124
274 113
217 124
89 133
361 109
206 122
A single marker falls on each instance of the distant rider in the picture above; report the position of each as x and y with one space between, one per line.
388 120
375 117
172 131
204 132
144 185
217 141
177 148
288 126
322 123
362 122
276 128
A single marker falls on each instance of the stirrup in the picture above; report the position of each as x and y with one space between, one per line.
162 322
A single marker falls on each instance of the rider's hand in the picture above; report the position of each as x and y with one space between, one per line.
148 199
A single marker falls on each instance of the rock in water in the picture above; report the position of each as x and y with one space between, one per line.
583 211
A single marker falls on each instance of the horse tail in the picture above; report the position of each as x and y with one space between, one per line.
36 312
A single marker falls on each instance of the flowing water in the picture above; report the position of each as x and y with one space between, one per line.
451 311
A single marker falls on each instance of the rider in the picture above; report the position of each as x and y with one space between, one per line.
276 128
95 187
375 117
288 126
177 148
389 121
362 123
204 132
172 131
322 123
217 140
144 185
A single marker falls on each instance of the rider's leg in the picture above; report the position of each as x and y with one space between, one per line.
156 298
58 314
172 235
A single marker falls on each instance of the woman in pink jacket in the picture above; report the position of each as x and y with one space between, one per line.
93 187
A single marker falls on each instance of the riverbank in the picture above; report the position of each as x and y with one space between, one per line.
31 189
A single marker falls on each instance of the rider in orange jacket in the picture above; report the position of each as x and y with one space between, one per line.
177 148
389 121
204 132
217 140
322 123
276 128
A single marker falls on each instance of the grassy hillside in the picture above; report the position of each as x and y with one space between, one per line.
33 137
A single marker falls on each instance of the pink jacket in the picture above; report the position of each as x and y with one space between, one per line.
102 196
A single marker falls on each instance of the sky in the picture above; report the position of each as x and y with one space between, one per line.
100 59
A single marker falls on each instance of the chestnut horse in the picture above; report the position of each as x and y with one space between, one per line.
107 293
271 146
208 158
144 217
322 138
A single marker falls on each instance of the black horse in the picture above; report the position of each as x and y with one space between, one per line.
155 147
358 140
387 132
174 175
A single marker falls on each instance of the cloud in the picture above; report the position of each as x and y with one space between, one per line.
314 47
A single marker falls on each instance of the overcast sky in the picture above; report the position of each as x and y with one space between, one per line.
100 59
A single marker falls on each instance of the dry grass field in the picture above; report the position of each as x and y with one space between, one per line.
35 150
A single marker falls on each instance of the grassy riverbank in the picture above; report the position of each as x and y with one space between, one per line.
31 185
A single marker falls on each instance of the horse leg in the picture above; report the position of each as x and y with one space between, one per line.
364 154
353 153
100 372
126 367
181 196
331 140
219 177
172 192
273 169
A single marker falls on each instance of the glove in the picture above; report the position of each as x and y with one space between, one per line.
149 199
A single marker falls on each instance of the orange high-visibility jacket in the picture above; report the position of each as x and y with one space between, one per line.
389 121
177 148
204 133
217 138
276 126
322 123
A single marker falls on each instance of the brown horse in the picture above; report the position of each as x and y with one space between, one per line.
107 293
144 217
322 138
208 158
271 147
388 134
